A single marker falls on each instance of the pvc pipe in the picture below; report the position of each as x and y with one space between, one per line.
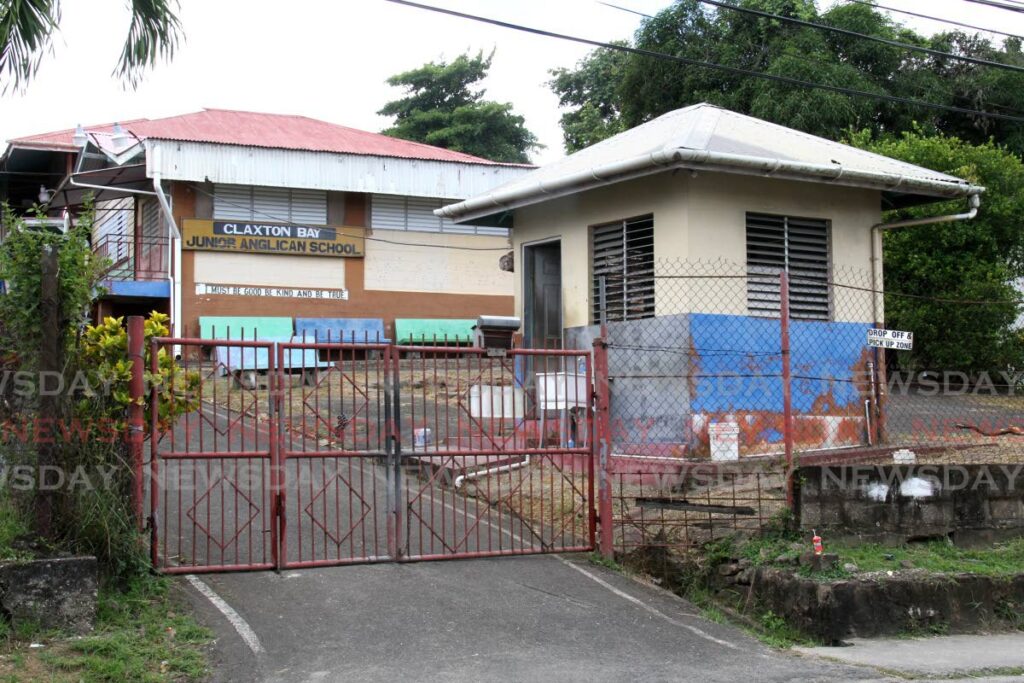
174 244
461 479
974 201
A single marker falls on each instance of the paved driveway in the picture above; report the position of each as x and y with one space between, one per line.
523 618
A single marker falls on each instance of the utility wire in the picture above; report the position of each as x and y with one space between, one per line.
811 60
928 16
866 36
712 65
277 219
1000 5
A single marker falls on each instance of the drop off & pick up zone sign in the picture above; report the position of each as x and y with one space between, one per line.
891 339
272 238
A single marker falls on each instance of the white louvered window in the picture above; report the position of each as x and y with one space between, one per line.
395 212
623 270
269 204
114 229
799 246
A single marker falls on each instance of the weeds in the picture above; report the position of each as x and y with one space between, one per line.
602 561
141 634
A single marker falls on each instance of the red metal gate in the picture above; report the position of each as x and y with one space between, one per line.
304 454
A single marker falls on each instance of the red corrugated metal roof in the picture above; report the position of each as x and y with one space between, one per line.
279 131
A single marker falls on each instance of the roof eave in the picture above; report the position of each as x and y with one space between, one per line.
666 158
466 162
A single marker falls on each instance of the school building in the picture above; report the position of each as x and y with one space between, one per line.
223 217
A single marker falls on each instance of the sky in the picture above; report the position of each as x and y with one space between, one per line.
329 59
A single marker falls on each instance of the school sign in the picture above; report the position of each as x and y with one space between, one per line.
273 238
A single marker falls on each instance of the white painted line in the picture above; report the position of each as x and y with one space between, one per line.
236 620
643 605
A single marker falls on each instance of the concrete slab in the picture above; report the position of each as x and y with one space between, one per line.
941 656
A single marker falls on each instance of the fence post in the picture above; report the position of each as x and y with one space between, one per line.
602 445
51 362
136 410
154 451
787 383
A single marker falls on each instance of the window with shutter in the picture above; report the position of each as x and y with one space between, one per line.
395 212
622 264
269 204
799 246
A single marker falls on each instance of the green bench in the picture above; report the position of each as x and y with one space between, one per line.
243 327
428 331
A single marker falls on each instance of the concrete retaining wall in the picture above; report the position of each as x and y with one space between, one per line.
897 503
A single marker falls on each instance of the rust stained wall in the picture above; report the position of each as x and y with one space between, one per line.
362 303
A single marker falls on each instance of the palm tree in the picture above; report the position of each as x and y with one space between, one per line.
27 27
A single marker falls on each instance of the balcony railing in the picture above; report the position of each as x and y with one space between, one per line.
132 258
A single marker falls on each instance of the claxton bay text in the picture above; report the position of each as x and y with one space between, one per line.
270 230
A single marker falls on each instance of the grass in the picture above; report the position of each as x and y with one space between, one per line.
144 633
600 560
938 557
12 526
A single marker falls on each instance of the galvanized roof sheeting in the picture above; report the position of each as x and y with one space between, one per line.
199 162
709 137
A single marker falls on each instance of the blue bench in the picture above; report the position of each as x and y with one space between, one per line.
243 362
357 330
244 327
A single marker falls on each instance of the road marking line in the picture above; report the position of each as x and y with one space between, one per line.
236 620
643 605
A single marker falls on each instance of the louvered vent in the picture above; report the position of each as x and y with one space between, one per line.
395 212
269 204
800 247
623 268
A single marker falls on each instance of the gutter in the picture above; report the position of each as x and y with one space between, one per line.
677 157
974 201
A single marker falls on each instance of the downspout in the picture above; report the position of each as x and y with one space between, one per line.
173 244
974 201
174 235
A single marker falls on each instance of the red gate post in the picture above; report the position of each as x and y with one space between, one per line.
602 445
787 384
136 410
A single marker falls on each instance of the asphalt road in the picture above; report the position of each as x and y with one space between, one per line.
523 618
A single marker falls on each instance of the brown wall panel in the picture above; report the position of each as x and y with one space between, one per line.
362 303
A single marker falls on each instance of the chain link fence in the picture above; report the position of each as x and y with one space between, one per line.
714 372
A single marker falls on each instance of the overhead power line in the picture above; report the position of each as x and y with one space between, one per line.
1000 5
712 65
866 36
939 19
806 59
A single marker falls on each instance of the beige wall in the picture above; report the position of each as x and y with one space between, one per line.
699 218
400 268
271 270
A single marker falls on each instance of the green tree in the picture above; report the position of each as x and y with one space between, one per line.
970 261
443 107
27 28
606 94
590 91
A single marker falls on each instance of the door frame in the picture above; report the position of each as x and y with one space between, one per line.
527 287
